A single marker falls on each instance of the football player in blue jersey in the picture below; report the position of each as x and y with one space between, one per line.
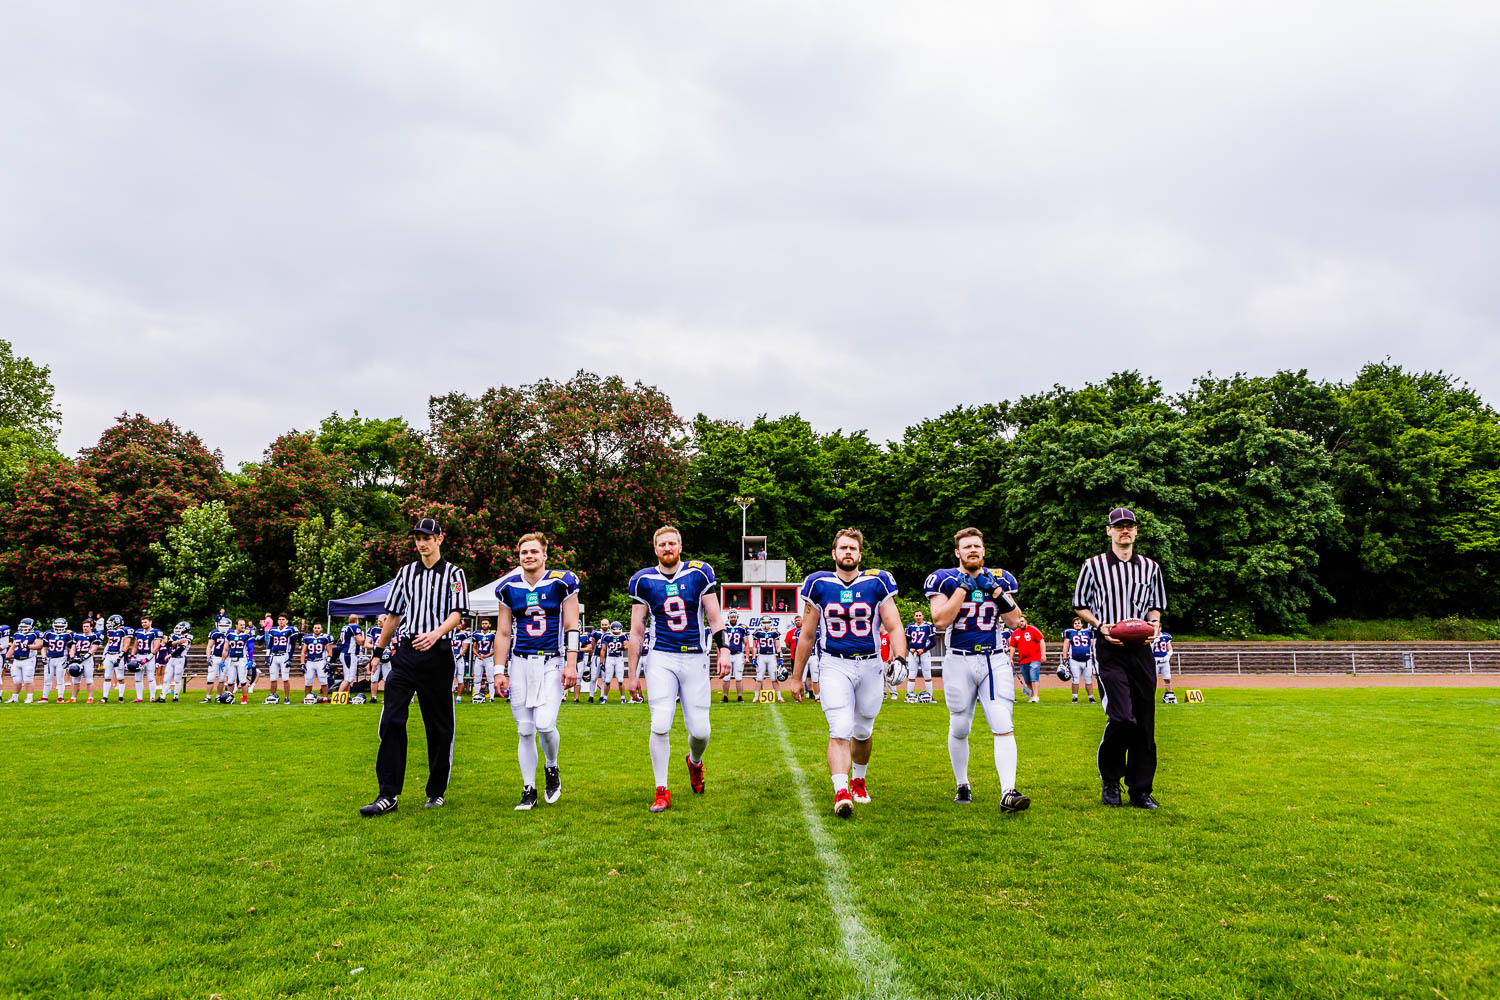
585 658
844 609
459 640
116 637
315 646
278 640
765 641
1161 652
218 655
241 653
613 670
351 638
5 644
679 598
1078 661
380 666
919 645
969 602
536 650
144 643
483 647
56 642
736 635
86 645
26 645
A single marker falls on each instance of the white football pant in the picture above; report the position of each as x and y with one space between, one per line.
669 675
852 692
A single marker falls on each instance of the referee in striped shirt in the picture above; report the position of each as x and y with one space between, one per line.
428 599
1114 585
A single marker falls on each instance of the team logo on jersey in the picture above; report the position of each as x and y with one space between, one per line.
845 596
671 590
532 600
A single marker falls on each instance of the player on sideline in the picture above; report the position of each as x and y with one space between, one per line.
1079 660
279 660
844 609
763 643
115 634
351 639
735 634
380 663
145 642
919 645
614 663
315 663
26 644
483 643
241 654
218 653
459 639
81 660
969 601
678 598
1161 652
56 642
537 653
178 644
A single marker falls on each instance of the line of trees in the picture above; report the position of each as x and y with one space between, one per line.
1269 500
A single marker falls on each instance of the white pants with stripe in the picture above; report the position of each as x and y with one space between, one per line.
978 678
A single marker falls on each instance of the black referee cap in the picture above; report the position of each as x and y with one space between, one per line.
1121 515
426 526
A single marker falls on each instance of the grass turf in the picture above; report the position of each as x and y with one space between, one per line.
1311 843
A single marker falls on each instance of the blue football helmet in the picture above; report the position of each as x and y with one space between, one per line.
59 624
26 625
115 621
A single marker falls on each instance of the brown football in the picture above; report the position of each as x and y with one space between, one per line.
1132 631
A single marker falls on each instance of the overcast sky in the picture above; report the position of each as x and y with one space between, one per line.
241 216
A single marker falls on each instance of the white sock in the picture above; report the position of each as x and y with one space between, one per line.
549 743
661 757
1005 760
526 754
696 748
958 753
858 770
840 783
911 686
140 687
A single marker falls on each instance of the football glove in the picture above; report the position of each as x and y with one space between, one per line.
895 671
986 582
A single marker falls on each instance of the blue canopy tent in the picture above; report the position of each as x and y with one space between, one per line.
368 604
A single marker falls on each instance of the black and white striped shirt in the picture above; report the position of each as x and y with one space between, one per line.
1113 589
424 598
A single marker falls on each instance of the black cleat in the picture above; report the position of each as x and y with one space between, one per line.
964 796
528 799
1110 796
1143 801
740 698
1014 802
435 802
381 806
554 784
724 699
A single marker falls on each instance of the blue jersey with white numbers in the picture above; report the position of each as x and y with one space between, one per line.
218 643
241 644
20 648
317 646
145 639
85 643
114 643
764 639
484 645
735 635
976 629
57 643
456 640
1080 643
279 639
675 603
179 644
347 635
536 609
1161 646
849 612
614 645
919 637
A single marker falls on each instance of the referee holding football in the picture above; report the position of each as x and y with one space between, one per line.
428 599
1118 584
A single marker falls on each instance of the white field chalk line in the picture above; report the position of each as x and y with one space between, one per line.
872 961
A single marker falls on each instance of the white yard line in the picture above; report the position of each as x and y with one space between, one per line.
872 961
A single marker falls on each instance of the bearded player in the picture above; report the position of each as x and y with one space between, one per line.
844 609
678 598
969 601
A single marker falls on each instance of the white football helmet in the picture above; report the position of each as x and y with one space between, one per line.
59 624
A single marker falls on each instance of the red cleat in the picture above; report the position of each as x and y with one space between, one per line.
843 803
857 789
663 799
695 774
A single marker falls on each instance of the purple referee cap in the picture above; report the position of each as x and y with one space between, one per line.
1120 515
426 526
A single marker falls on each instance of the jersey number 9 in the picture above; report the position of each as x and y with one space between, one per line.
675 608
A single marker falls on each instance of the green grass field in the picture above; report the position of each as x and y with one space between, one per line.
1312 843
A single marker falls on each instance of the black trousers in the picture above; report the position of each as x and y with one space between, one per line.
1127 676
427 675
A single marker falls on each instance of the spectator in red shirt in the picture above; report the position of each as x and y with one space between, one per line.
1028 650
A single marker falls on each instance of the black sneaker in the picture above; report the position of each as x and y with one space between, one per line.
1143 801
554 785
1110 796
724 700
381 806
435 802
740 698
1014 802
528 799
964 796
591 699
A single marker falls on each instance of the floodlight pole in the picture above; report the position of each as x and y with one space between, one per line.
744 504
